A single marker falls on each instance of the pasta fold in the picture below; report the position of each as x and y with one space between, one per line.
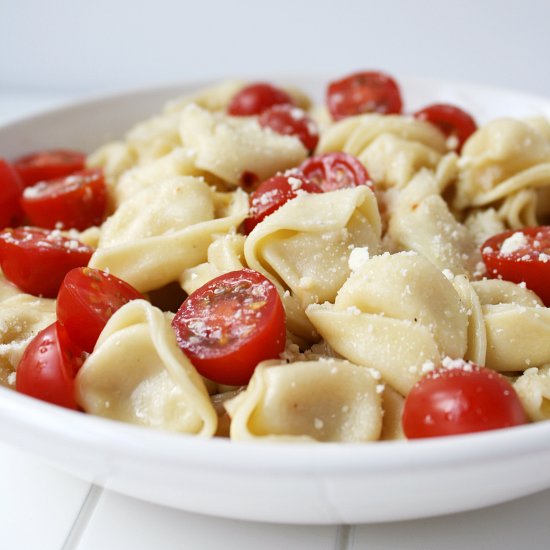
138 374
324 400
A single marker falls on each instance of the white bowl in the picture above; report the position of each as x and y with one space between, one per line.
277 482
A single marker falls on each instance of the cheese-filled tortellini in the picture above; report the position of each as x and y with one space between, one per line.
137 374
304 246
533 388
324 400
395 313
237 148
22 316
392 147
163 230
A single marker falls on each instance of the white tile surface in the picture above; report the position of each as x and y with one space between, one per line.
523 523
38 504
123 522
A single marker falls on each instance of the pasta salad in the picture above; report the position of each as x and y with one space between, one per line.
248 264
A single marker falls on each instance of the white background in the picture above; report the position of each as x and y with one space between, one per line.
87 46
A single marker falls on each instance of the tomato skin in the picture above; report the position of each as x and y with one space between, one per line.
11 188
332 171
48 367
529 263
47 165
460 400
364 92
77 201
273 193
230 324
451 120
87 299
256 98
36 260
291 121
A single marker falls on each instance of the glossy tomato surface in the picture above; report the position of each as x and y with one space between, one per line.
87 299
289 120
521 256
453 121
256 98
273 193
47 165
48 367
332 171
229 325
364 92
461 399
77 201
37 260
11 188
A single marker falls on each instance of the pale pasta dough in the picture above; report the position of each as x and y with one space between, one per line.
231 147
533 388
304 246
324 400
395 313
22 316
138 374
392 147
154 259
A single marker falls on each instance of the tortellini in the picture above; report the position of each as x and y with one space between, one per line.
163 230
380 284
232 147
324 400
22 316
138 374
305 245
395 313
392 147
506 160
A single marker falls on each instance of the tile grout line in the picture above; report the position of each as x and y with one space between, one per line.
345 535
83 518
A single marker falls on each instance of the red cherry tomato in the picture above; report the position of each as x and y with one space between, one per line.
366 92
47 165
521 256
230 324
273 193
333 171
87 298
48 367
256 98
461 399
77 201
11 188
291 121
37 260
451 120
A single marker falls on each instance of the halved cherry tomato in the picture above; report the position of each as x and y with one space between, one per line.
291 121
333 171
273 193
11 188
459 399
47 165
451 120
230 324
87 299
77 201
365 92
48 367
521 256
37 260
256 98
